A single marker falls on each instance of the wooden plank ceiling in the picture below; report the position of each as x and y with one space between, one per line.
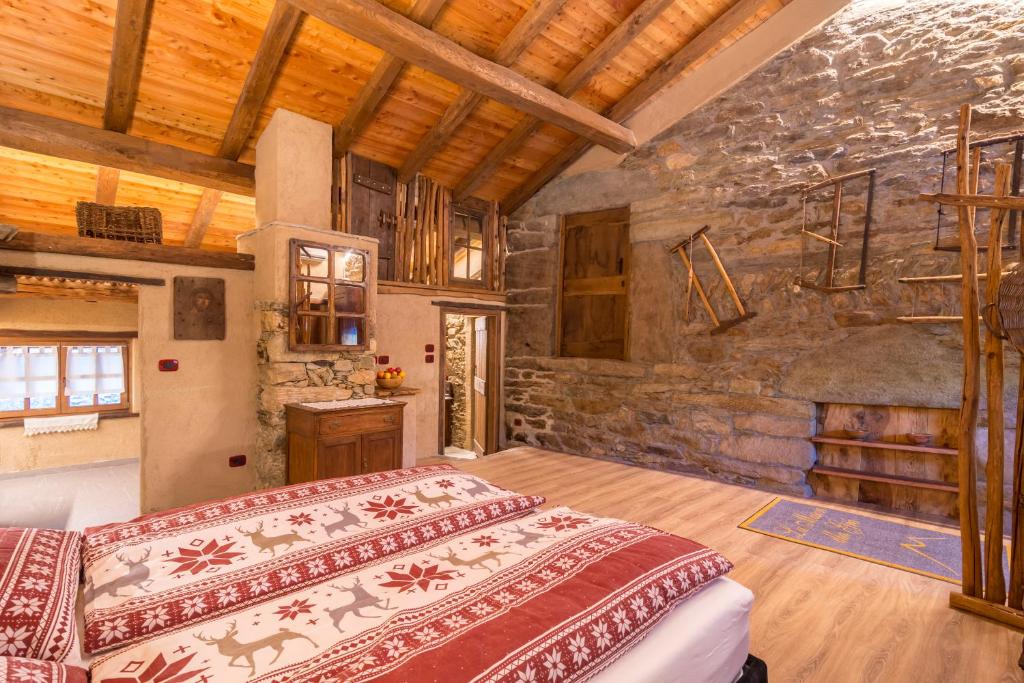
210 79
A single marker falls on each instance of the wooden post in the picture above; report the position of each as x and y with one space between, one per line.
968 425
1016 597
995 582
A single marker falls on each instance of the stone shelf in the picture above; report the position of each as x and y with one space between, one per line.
883 445
885 479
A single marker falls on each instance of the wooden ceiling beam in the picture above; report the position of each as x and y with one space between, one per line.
106 185
131 29
372 22
598 58
362 110
733 19
68 140
525 32
283 25
202 217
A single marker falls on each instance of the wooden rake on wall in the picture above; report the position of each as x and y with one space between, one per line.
685 251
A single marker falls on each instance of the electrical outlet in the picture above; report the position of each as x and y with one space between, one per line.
236 461
429 348
383 360
168 365
429 358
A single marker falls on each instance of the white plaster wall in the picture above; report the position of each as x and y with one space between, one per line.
193 419
406 323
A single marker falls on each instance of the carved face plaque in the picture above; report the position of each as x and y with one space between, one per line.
199 308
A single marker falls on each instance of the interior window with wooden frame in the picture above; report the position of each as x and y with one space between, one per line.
469 238
44 377
593 305
328 297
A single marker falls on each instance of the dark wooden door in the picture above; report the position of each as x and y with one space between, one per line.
595 272
382 451
373 208
339 456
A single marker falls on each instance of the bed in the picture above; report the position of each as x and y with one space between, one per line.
424 574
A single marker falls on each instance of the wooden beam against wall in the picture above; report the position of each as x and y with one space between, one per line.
525 32
377 25
388 69
67 140
701 44
281 28
129 251
621 36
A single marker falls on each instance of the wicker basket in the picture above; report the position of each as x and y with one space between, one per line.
1011 307
122 223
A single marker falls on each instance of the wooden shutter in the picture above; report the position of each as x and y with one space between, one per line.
595 273
372 209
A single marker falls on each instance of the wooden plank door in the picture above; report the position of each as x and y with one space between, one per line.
339 456
373 196
480 388
382 451
595 272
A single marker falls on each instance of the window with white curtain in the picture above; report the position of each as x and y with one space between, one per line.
66 376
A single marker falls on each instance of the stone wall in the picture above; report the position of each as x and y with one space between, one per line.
457 368
879 86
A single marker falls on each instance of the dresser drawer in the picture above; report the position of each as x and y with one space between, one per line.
370 421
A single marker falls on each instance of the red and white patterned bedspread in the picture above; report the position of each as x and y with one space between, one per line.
554 596
182 567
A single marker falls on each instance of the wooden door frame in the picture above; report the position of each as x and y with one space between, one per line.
494 361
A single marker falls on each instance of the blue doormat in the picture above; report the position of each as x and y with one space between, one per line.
886 542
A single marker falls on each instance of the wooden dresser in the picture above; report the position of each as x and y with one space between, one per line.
340 442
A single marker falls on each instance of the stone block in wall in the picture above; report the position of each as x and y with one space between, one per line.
283 373
274 398
743 403
766 450
530 331
774 426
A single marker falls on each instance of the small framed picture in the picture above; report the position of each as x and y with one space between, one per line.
199 308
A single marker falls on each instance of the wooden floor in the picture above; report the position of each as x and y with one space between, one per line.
818 616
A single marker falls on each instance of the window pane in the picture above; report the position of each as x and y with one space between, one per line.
349 299
475 263
312 329
109 399
349 266
476 239
80 400
350 331
9 404
42 402
460 263
311 296
312 261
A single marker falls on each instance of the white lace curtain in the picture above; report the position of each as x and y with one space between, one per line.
28 372
94 370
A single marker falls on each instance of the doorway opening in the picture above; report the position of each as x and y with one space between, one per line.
470 383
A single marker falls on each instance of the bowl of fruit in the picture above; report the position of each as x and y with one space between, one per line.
391 378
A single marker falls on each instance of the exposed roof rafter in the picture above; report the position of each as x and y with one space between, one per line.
525 32
589 66
362 110
377 25
284 23
732 19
